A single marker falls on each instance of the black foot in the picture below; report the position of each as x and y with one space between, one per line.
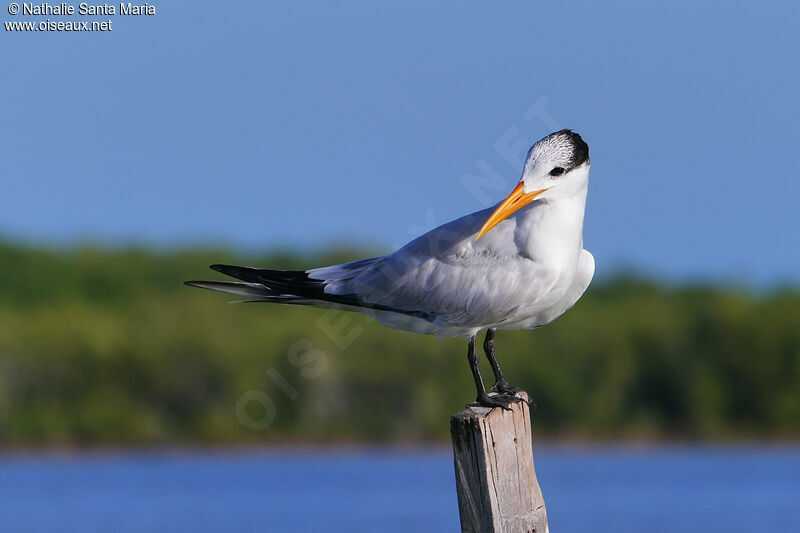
497 400
504 388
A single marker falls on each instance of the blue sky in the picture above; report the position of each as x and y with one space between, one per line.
267 124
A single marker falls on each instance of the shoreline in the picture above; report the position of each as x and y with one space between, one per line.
376 449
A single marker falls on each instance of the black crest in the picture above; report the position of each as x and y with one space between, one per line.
580 150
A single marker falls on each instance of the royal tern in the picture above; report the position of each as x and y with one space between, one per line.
517 265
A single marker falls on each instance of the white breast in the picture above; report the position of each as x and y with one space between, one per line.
562 299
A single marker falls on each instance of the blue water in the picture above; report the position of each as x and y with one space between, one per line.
594 489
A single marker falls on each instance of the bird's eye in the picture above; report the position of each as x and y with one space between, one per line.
557 171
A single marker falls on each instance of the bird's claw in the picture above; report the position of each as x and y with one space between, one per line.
504 388
496 400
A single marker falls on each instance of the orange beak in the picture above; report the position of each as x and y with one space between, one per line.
517 199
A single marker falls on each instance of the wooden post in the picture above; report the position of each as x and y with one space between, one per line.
495 477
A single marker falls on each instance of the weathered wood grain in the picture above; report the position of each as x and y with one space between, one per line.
495 476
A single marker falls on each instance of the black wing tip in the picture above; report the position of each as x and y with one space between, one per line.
249 274
233 270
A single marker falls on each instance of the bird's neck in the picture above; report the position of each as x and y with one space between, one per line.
550 231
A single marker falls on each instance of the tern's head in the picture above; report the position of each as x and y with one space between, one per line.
561 157
556 165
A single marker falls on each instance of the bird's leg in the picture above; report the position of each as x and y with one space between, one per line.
483 398
500 383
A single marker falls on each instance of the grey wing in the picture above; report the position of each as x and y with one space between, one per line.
450 279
